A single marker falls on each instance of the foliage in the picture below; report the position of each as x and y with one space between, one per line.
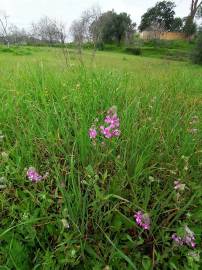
197 53
135 51
189 27
115 27
87 28
177 25
162 14
199 12
82 215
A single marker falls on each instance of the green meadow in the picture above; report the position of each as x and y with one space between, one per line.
81 215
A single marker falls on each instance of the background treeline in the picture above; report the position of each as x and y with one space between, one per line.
95 29
101 28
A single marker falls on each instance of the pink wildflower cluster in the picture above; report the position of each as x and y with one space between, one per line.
111 127
188 238
142 220
33 175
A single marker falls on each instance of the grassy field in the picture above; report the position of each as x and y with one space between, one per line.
80 215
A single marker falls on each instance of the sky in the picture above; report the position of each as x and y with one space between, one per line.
23 12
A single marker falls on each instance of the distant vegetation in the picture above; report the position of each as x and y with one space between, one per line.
171 50
197 52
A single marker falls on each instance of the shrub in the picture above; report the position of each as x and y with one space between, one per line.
197 52
100 46
189 27
134 51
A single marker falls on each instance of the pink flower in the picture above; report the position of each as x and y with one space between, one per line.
179 186
106 132
188 238
113 120
92 133
116 133
112 130
143 220
33 175
177 239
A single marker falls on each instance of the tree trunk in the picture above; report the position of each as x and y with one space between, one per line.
195 4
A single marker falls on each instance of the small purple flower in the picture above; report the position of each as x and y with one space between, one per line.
116 133
113 120
92 133
106 132
179 186
143 220
33 175
188 238
177 239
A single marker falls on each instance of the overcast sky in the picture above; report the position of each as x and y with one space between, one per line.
23 12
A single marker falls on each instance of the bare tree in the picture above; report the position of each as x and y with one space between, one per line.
87 29
4 27
62 35
77 31
93 27
17 35
47 30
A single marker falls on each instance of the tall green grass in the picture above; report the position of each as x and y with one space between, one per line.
45 113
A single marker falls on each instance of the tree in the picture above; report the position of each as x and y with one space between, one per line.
115 27
199 12
4 27
195 7
86 28
195 10
123 26
107 26
190 27
77 31
48 30
17 36
162 13
177 25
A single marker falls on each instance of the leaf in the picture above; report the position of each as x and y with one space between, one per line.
147 263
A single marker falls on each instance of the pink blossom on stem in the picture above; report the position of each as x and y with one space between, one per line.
92 133
112 120
116 133
179 186
33 175
143 220
106 132
110 131
177 239
188 238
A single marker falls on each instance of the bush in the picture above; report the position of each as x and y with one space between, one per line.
134 51
100 46
197 53
189 27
